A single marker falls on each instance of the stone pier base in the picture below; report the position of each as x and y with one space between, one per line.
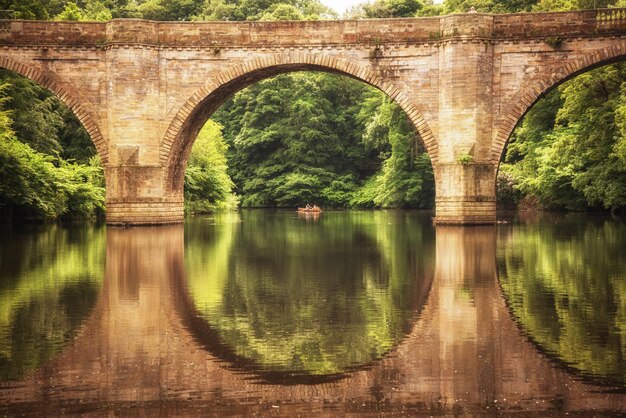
146 212
459 211
136 195
466 194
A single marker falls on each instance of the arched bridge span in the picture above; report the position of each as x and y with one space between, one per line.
143 89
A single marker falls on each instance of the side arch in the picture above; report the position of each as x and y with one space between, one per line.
537 87
186 124
69 96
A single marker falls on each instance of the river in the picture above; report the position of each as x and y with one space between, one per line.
276 313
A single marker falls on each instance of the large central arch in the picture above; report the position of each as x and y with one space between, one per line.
186 124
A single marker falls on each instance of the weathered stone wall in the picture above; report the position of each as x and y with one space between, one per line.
143 89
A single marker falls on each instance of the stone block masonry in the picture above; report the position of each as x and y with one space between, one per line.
144 89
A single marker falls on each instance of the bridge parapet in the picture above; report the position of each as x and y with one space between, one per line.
306 33
31 32
224 34
560 24
471 25
132 31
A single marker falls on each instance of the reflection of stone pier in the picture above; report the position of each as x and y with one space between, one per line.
464 353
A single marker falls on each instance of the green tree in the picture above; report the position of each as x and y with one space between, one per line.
392 8
258 9
169 9
562 5
33 187
295 135
71 12
26 9
217 10
488 6
33 109
33 184
283 12
561 158
97 11
43 122
207 184
406 178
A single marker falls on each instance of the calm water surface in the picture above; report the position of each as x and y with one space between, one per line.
271 313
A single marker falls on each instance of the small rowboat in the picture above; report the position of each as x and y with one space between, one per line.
314 209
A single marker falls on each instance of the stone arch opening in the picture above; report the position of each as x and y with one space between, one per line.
186 124
536 88
69 96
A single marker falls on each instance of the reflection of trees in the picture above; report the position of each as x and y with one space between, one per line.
565 283
313 298
50 282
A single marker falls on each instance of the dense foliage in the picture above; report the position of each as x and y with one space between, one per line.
37 183
165 9
559 158
315 137
207 185
311 137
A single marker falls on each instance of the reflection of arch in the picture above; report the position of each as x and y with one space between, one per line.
535 88
556 361
210 340
68 95
186 125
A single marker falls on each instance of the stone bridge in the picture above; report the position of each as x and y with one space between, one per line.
144 89
139 351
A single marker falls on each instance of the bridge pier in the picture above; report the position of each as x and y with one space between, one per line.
466 193
465 175
136 196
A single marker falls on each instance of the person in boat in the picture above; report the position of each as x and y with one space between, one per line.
307 207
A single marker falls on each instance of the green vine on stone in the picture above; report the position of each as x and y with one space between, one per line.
555 42
465 158
377 52
435 36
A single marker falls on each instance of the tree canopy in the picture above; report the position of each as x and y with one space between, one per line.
36 184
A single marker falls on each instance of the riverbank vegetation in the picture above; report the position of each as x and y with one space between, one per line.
323 138
48 167
315 137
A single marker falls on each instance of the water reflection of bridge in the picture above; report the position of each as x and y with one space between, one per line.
465 353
